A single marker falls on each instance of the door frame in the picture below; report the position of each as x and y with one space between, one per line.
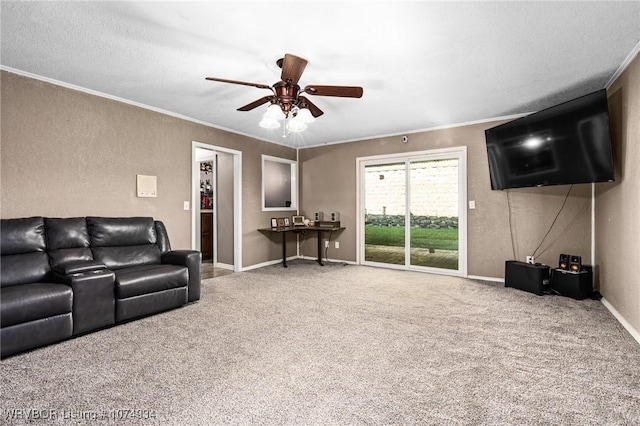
237 200
459 152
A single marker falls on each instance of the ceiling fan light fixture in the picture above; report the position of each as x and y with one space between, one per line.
305 116
296 125
269 123
274 112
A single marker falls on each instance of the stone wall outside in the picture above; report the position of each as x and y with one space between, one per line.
434 193
432 222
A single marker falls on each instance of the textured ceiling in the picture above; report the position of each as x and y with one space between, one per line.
421 64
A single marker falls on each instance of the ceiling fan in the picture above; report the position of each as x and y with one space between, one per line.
287 94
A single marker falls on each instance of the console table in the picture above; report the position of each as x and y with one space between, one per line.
301 229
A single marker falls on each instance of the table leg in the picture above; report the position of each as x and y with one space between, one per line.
284 249
320 248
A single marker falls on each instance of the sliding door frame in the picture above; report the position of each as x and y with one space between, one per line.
460 153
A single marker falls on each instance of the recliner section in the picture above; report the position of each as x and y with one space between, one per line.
62 277
30 302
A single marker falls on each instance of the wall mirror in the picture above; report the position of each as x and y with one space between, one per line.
279 184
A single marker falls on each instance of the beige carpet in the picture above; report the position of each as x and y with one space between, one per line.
341 345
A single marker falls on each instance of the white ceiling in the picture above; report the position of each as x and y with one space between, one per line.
421 64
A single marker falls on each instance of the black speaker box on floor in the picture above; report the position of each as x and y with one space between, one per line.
526 277
577 285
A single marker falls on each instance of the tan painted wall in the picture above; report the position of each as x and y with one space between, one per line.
618 204
68 153
329 184
224 209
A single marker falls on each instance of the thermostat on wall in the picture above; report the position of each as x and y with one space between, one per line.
147 186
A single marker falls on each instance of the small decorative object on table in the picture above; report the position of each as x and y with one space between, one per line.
274 222
286 221
280 222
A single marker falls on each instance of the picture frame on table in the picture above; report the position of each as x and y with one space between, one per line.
274 222
280 222
286 222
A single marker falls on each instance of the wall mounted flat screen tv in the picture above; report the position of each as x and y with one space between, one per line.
565 144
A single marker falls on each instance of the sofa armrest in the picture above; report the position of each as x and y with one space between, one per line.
193 261
78 267
93 298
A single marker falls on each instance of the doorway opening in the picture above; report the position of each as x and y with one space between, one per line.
216 208
412 211
208 207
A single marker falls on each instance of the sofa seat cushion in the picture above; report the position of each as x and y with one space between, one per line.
145 279
30 302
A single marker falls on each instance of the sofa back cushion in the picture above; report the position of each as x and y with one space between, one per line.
67 240
22 245
162 237
123 241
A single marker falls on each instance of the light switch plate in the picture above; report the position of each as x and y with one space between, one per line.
147 186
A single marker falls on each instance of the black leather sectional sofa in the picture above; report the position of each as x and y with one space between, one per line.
61 277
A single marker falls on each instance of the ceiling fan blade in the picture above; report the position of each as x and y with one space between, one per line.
224 80
255 104
314 110
340 91
292 68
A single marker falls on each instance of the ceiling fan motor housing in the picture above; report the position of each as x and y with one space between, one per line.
286 94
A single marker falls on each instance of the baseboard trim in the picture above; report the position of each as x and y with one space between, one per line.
275 262
269 263
481 278
634 333
350 262
224 266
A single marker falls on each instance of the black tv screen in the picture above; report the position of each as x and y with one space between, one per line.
565 144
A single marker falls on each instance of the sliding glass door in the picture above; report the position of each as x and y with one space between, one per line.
434 213
385 204
413 211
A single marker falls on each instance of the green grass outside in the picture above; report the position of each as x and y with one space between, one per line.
440 238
